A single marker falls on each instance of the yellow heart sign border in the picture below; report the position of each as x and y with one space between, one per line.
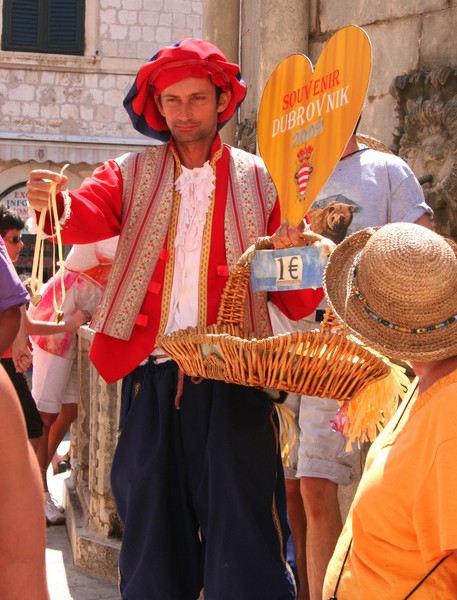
307 116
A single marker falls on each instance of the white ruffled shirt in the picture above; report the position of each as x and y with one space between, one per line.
196 187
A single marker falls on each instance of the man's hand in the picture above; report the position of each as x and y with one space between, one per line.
39 187
76 319
288 236
22 356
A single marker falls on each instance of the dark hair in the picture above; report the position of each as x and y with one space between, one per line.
9 220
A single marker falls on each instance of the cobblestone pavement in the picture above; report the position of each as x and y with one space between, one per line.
64 581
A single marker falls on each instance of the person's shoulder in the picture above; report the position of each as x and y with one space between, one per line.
388 158
242 155
149 151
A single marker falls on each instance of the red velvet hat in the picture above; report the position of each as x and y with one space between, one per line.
188 58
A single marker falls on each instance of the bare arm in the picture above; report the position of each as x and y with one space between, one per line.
70 323
22 518
22 357
424 221
10 320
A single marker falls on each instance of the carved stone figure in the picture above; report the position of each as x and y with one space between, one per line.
427 138
246 134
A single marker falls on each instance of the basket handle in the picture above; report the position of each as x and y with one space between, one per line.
233 299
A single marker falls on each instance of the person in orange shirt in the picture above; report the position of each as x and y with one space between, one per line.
395 288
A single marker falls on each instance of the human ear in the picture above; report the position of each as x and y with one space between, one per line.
224 99
158 102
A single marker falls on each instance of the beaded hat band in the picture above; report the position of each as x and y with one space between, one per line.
388 324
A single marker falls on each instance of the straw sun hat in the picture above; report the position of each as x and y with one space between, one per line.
395 288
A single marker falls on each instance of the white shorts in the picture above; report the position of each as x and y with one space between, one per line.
318 451
54 381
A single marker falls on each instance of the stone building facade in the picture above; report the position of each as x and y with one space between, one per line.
414 60
409 36
61 108
58 108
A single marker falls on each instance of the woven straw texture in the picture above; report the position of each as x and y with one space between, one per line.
408 276
322 363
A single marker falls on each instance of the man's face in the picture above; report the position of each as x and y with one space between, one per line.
191 110
13 243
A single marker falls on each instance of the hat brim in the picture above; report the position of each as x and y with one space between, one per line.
337 282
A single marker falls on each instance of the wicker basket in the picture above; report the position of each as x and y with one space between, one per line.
323 363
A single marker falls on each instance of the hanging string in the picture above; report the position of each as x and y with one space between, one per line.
36 279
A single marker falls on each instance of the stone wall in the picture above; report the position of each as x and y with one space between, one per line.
92 522
412 93
59 108
408 36
54 105
82 96
414 62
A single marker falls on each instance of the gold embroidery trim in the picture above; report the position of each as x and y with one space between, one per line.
204 260
170 266
205 252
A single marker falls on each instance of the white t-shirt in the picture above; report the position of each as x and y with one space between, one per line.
367 189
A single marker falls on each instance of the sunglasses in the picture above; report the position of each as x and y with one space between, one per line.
14 240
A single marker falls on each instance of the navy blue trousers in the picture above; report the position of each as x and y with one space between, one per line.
200 491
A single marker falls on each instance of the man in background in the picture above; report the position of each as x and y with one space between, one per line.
367 188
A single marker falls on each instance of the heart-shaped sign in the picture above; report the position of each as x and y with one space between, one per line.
306 117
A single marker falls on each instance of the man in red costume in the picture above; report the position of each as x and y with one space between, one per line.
197 473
